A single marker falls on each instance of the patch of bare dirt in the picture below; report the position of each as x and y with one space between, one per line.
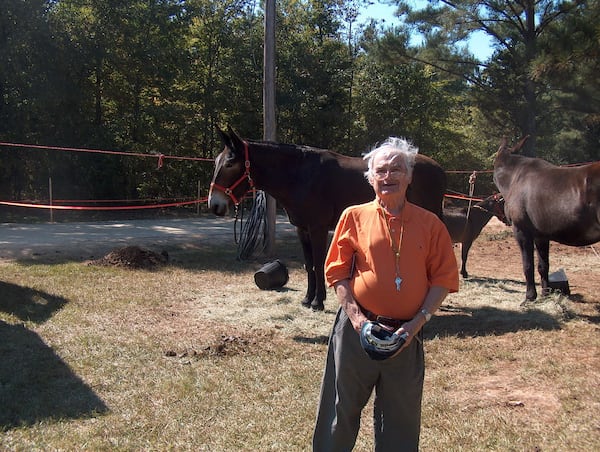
495 254
133 257
209 344
225 345
505 393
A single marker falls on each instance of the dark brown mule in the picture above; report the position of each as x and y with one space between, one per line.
314 186
545 202
464 224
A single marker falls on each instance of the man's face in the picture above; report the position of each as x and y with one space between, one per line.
390 175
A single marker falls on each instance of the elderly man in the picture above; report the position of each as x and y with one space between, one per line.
392 262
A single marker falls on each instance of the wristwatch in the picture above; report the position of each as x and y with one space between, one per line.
427 314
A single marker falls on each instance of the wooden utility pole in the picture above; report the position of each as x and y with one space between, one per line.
269 121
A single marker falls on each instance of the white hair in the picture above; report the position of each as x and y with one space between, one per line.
391 147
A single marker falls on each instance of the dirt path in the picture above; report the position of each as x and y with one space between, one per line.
90 240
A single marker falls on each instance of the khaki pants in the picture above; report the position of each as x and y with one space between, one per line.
349 379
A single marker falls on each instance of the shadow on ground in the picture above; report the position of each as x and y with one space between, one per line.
36 385
488 321
477 322
28 304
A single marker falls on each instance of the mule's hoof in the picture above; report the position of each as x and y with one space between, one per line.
528 301
306 303
317 306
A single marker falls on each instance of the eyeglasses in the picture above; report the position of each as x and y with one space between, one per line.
382 173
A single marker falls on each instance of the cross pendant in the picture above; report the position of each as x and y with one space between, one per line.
398 281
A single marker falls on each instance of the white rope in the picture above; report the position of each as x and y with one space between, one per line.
472 178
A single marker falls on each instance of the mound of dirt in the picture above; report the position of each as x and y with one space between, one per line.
223 346
133 257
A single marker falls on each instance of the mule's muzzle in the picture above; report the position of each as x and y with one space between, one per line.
219 210
218 203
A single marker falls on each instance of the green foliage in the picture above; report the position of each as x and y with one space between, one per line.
569 61
513 101
314 75
157 77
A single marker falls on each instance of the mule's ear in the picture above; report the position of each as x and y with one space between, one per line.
225 138
237 144
503 144
517 147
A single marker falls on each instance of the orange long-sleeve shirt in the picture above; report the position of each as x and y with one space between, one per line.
426 258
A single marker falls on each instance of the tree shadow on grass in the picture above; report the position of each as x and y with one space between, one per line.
36 385
475 322
28 304
487 321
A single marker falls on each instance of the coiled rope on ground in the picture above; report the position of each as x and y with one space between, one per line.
253 230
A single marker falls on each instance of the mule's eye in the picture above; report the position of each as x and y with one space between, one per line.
229 162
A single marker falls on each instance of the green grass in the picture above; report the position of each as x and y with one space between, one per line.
193 356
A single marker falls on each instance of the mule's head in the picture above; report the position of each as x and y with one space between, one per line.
504 150
495 205
231 179
505 162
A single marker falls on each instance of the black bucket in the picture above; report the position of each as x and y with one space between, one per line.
272 275
559 282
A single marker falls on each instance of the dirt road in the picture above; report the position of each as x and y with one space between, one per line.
90 240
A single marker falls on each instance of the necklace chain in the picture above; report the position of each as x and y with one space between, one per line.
396 250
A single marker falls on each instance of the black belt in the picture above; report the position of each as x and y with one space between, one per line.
388 321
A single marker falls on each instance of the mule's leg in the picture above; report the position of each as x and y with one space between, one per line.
319 252
305 241
543 252
525 242
464 252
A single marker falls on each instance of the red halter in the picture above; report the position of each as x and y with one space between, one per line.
229 190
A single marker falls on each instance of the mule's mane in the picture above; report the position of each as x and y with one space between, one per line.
291 149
